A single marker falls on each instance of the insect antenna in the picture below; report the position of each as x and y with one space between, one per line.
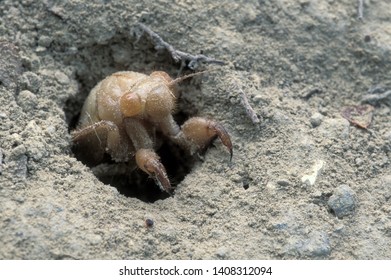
180 79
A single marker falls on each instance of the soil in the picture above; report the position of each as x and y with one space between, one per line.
304 182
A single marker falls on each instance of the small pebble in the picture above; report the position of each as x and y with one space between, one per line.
149 223
358 161
316 119
45 41
343 201
61 77
283 182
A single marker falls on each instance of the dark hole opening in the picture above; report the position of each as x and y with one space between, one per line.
139 185
178 164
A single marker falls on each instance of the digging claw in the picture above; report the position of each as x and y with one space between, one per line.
149 162
223 136
201 131
158 172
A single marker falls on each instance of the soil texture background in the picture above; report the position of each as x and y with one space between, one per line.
305 182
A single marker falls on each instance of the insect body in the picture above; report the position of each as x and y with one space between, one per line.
124 111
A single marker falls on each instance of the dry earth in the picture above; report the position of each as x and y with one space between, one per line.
303 183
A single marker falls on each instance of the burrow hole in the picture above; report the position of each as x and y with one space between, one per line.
121 53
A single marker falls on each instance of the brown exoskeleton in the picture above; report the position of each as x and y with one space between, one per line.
122 113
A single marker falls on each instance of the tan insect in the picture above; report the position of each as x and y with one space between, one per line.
124 111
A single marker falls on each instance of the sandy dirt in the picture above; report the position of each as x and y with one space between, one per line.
304 183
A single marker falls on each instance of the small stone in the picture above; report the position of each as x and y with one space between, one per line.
45 41
339 228
40 49
149 223
61 77
343 201
72 50
316 119
358 161
283 182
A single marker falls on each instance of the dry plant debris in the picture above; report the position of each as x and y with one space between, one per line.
191 61
358 115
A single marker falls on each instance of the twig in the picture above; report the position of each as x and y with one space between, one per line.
374 98
189 60
360 9
376 89
249 110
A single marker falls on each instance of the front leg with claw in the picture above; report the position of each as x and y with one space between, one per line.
148 161
196 133
200 132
